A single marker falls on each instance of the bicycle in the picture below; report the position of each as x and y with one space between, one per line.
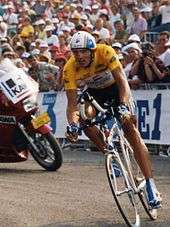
129 184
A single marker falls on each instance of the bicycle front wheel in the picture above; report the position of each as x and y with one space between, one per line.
122 190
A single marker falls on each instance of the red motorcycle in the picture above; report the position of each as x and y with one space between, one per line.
22 129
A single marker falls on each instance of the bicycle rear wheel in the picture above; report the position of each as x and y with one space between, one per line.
122 191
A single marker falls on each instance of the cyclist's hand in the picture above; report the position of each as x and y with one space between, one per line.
72 132
124 111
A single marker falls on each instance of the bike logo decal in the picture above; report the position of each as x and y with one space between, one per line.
7 119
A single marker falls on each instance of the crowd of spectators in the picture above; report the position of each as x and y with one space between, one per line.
35 34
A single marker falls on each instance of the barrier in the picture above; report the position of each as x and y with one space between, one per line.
153 112
150 37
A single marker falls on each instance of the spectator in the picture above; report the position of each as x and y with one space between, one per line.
55 22
67 33
96 35
134 39
50 38
11 18
95 14
65 23
114 15
40 32
105 17
117 47
121 35
163 51
140 24
165 15
155 20
75 19
131 53
167 56
44 49
39 8
60 61
49 9
20 49
27 28
147 68
63 47
104 32
3 28
44 73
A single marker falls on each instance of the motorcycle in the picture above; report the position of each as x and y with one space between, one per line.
23 129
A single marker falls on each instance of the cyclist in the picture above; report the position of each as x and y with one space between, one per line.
97 66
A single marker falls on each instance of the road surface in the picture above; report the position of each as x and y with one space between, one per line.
76 195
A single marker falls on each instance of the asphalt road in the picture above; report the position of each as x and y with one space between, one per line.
76 195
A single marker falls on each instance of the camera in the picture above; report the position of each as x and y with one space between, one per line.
147 49
145 53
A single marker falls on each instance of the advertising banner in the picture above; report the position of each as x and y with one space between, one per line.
153 111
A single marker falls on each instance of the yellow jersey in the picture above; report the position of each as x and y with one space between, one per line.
98 75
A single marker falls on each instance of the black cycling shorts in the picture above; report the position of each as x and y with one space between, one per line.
106 95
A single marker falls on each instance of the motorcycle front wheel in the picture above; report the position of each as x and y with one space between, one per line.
46 150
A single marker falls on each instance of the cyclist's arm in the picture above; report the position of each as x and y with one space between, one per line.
72 108
124 89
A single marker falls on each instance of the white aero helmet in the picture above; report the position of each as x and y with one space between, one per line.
83 40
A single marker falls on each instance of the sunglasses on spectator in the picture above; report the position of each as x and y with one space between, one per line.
162 39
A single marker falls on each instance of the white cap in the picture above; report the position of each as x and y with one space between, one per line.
25 55
3 39
134 38
55 20
133 46
84 17
49 28
66 28
39 22
118 45
146 9
80 5
61 6
88 8
33 44
60 33
73 5
95 6
35 52
43 44
103 11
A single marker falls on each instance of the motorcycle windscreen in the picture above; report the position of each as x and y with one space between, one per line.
17 85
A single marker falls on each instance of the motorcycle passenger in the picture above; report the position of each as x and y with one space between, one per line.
97 66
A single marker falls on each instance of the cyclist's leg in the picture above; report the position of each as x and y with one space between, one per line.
140 150
101 96
96 136
142 157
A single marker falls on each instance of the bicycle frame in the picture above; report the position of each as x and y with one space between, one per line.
116 130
